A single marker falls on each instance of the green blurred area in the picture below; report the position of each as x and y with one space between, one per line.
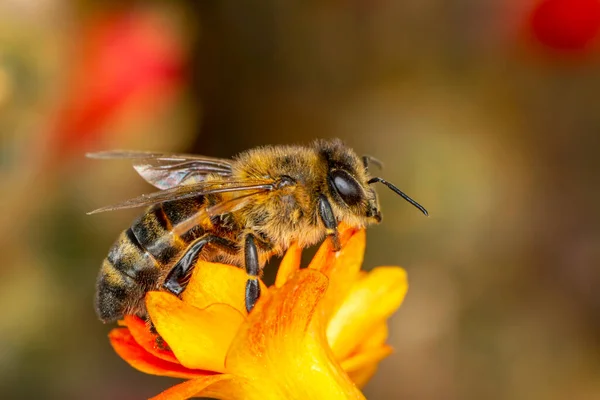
498 140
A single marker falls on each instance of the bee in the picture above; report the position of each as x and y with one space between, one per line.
239 211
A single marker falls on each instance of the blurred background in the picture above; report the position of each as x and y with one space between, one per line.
484 111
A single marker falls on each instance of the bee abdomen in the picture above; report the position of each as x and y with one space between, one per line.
116 293
141 256
126 274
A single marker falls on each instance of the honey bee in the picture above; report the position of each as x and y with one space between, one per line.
239 211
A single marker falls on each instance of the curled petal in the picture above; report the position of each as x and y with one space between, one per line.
283 339
130 351
374 339
213 283
289 265
363 366
198 338
362 376
221 386
372 300
140 332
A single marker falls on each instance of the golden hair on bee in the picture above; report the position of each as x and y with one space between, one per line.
240 211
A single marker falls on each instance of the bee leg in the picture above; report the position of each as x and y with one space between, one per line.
252 269
326 214
158 340
187 262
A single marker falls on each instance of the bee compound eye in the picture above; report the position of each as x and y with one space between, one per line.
346 186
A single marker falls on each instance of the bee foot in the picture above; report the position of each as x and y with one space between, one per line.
161 344
173 286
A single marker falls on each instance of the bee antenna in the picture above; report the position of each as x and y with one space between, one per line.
367 159
399 192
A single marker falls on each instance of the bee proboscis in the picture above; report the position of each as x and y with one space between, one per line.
239 211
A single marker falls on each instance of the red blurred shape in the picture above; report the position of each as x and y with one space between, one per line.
119 57
566 24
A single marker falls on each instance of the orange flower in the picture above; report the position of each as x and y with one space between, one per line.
317 332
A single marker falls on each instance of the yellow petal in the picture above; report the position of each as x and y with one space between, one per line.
363 376
366 358
372 300
281 349
362 364
375 338
289 265
199 338
213 283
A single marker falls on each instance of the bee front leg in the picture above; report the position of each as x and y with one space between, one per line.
252 269
326 214
187 262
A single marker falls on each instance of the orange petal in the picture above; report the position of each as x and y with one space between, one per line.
198 338
130 351
289 265
281 350
213 283
142 335
322 257
352 250
325 254
372 300
343 269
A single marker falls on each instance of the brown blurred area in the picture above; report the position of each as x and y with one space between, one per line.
497 135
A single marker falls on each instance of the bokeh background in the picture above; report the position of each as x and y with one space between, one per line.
485 111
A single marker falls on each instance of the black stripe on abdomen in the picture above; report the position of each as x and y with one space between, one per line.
130 258
152 234
134 240
178 211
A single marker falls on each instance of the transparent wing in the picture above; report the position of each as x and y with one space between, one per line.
234 204
167 171
192 190
227 206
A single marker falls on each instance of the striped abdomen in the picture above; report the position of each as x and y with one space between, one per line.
139 259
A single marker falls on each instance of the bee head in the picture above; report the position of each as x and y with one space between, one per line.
351 194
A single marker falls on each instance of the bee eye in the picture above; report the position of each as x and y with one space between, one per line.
346 186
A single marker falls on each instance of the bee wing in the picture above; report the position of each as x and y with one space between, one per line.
235 204
231 205
192 190
167 171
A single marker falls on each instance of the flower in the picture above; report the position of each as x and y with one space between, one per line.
566 25
318 332
127 62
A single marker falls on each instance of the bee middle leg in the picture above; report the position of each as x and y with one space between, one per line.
252 269
187 262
